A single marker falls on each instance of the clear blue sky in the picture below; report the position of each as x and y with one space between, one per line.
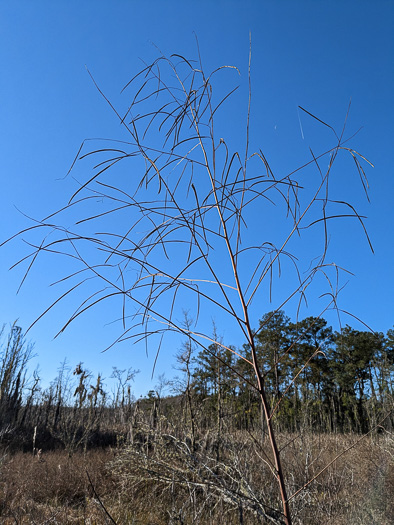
318 55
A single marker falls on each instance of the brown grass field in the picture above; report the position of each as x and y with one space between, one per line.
159 481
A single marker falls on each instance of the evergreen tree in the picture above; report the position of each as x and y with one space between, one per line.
356 353
273 342
311 356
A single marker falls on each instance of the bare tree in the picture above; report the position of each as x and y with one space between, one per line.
171 228
184 385
15 354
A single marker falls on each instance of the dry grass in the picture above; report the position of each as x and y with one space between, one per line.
164 484
356 489
53 486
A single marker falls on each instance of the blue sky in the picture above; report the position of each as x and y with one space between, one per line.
317 55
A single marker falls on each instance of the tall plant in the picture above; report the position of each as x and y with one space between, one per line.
172 230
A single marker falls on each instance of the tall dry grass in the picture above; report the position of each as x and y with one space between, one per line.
160 480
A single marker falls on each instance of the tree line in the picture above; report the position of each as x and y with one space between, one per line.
75 411
315 377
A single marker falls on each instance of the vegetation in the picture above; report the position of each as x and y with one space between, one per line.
343 381
177 234
74 452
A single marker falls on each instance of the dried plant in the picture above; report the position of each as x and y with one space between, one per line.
171 228
15 354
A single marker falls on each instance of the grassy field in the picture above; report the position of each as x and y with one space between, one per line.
159 479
